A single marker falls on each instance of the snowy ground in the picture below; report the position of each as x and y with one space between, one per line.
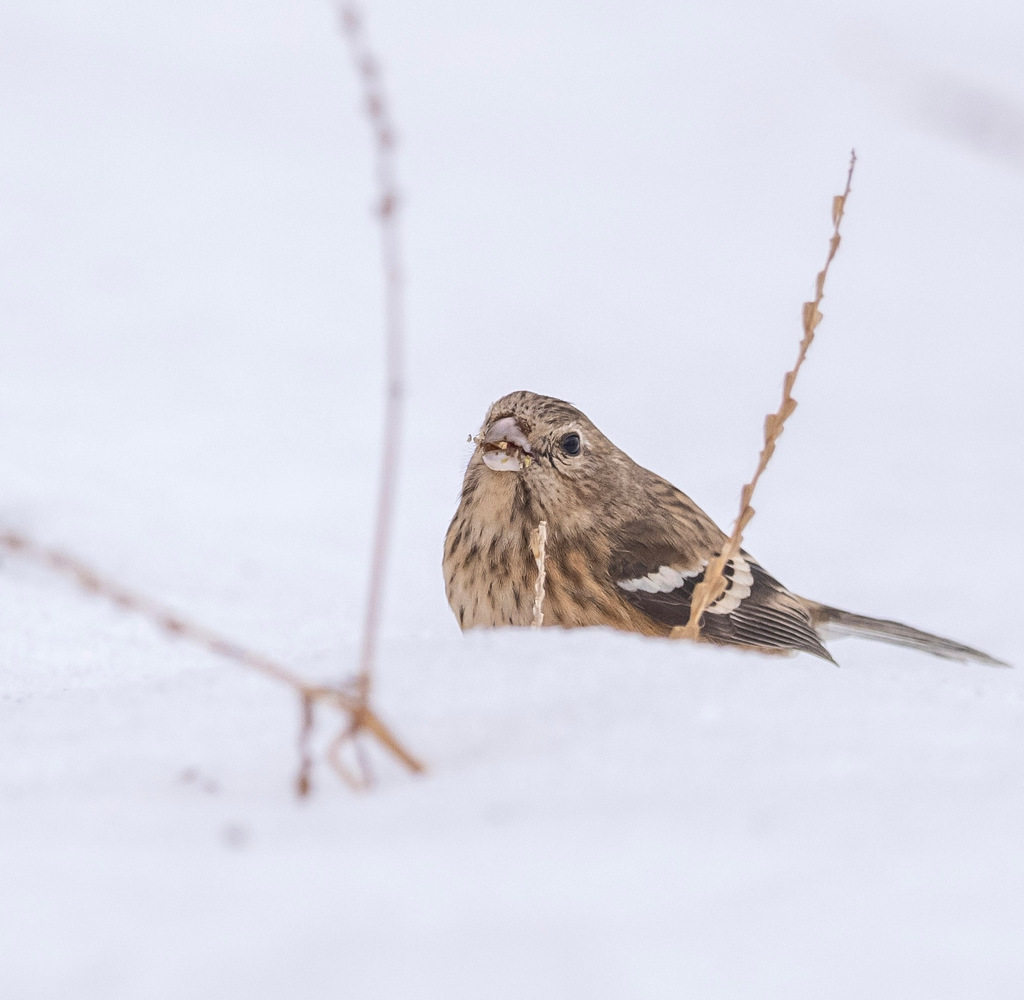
620 205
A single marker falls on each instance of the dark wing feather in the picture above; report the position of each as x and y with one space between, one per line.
765 616
770 618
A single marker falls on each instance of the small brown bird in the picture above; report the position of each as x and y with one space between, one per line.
625 548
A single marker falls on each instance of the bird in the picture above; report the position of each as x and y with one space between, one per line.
624 547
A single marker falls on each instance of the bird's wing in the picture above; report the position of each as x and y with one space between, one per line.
655 567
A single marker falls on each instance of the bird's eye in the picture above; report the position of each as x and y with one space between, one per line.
571 444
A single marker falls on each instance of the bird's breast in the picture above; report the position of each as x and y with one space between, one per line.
489 567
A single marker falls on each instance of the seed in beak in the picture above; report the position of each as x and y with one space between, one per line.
504 445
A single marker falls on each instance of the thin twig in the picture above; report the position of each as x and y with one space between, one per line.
351 703
539 542
711 587
304 780
377 110
352 699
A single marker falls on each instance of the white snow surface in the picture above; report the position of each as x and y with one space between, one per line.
622 205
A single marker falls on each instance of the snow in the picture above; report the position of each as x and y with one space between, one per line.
620 206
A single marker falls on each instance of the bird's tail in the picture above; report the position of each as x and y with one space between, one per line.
831 623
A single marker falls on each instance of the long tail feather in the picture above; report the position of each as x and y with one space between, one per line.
831 623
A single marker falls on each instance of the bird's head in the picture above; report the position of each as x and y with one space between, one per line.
549 447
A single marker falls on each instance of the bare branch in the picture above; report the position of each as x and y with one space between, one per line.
361 717
377 109
352 699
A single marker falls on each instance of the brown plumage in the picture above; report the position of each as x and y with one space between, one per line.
625 548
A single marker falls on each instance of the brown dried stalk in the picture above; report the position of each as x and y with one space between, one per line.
377 111
353 704
711 587
352 699
539 542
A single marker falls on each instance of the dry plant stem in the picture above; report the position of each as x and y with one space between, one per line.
361 717
304 780
539 542
377 111
353 699
711 587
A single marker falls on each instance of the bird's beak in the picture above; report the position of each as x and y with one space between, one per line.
505 446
